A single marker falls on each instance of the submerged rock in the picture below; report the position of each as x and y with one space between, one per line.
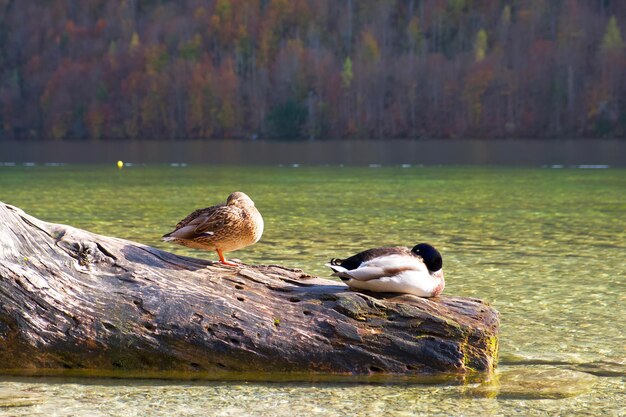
535 383
11 399
573 361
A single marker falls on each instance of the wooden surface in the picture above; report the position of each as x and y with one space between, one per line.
71 299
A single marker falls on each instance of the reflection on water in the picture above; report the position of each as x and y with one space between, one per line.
544 246
597 153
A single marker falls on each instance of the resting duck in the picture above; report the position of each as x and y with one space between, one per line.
222 228
416 271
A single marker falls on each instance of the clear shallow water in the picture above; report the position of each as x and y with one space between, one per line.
545 246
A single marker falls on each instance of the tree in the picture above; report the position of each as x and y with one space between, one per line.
612 40
606 109
415 37
286 120
135 43
346 74
367 68
480 45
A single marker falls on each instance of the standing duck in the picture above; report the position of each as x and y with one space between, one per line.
415 271
222 228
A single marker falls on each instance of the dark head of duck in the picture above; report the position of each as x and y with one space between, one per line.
431 256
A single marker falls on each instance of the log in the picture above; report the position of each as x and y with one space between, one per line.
75 300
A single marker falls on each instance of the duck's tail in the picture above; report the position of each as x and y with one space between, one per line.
168 237
185 233
338 270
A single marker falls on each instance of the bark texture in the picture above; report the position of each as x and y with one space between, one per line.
71 299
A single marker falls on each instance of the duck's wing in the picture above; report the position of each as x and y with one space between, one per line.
198 214
355 261
384 266
203 222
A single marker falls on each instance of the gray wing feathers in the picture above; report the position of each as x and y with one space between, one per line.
202 222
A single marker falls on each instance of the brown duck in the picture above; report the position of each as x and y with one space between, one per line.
222 228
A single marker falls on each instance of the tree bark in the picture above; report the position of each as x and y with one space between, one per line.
74 300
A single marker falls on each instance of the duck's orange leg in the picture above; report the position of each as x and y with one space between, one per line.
222 260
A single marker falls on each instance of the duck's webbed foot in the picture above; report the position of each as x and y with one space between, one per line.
227 263
223 260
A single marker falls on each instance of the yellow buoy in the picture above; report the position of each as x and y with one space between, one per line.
120 164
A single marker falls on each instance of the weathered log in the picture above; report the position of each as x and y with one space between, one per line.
71 299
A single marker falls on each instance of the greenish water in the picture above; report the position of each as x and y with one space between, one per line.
545 246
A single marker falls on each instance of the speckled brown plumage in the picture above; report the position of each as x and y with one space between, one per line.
222 228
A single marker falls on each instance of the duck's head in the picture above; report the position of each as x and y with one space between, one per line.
431 256
239 199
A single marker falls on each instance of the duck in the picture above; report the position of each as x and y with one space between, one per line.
221 228
398 269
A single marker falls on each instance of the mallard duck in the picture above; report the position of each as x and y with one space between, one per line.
222 228
415 271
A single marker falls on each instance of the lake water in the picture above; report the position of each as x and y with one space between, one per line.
596 152
545 246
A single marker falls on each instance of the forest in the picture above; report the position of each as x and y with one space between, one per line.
312 69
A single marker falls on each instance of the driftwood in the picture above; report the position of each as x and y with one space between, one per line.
74 300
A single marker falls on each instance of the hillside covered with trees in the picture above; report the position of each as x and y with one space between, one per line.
312 69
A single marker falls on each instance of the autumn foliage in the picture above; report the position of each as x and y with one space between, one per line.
312 69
